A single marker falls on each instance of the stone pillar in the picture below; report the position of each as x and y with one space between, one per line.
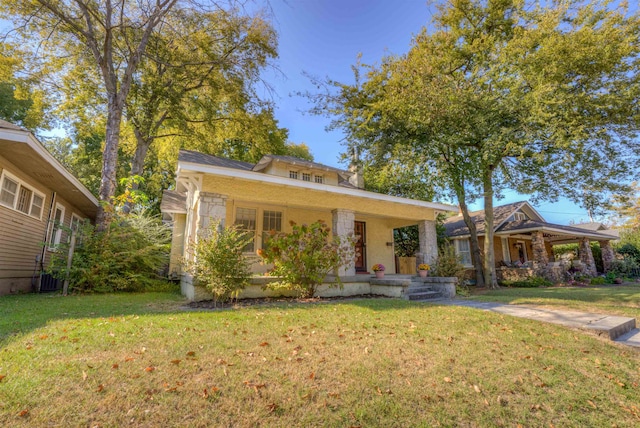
428 240
608 256
213 207
540 255
586 257
343 227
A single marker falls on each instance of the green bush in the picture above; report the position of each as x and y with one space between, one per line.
304 257
217 261
533 282
625 267
449 264
129 255
598 280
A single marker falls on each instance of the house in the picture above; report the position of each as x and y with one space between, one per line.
278 189
523 238
37 196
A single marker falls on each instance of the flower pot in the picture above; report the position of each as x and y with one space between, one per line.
423 273
380 274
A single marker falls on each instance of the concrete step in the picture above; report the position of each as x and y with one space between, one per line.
630 338
613 326
418 288
424 295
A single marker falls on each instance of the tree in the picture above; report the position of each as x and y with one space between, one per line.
506 94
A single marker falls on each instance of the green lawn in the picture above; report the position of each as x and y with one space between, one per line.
621 300
139 360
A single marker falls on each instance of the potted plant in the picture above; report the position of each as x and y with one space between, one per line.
378 268
423 269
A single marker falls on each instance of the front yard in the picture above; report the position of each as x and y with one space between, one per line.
141 360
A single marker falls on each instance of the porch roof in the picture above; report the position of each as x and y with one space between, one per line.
553 232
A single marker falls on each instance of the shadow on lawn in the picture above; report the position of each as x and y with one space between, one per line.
20 314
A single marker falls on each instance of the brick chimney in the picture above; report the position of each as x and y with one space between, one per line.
355 167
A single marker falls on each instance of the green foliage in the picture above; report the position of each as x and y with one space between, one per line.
304 257
128 255
533 282
216 260
406 241
448 264
626 267
562 249
599 280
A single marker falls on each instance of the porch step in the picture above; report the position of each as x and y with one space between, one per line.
631 338
423 295
420 288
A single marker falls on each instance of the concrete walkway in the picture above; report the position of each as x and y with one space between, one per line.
621 329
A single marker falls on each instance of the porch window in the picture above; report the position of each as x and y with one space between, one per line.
271 220
319 179
16 195
463 250
246 217
306 176
293 174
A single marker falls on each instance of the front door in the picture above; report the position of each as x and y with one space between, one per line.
360 231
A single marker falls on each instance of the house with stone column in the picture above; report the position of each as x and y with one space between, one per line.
523 241
278 189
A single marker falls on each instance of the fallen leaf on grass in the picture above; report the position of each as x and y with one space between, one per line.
127 359
476 388
44 336
149 369
191 354
115 366
312 375
272 407
23 413
100 388
592 404
2 377
447 379
84 375
264 344
175 361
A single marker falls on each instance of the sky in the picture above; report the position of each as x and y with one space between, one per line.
323 38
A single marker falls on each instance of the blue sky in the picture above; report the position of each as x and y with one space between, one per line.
323 38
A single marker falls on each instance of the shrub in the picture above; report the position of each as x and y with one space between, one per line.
217 261
129 255
449 264
625 267
533 282
304 257
598 280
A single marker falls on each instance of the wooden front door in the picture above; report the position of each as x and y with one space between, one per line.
360 230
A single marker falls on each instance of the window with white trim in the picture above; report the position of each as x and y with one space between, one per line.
18 196
463 250
271 222
506 254
246 217
56 228
318 179
293 174
76 225
258 220
306 176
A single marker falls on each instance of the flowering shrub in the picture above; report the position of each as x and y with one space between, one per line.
305 256
423 266
378 267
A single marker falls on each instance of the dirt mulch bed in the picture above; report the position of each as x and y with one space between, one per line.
276 301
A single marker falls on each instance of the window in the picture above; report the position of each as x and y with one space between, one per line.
319 179
293 174
246 217
518 216
306 176
271 221
56 229
18 196
76 225
463 249
506 255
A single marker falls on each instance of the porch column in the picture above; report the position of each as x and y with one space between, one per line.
608 255
343 227
540 255
213 206
428 240
586 257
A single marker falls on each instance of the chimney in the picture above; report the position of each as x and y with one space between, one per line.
357 179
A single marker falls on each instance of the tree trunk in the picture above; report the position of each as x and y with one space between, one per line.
109 162
489 255
476 255
137 163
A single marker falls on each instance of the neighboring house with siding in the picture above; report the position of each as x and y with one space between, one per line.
278 189
37 196
522 238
